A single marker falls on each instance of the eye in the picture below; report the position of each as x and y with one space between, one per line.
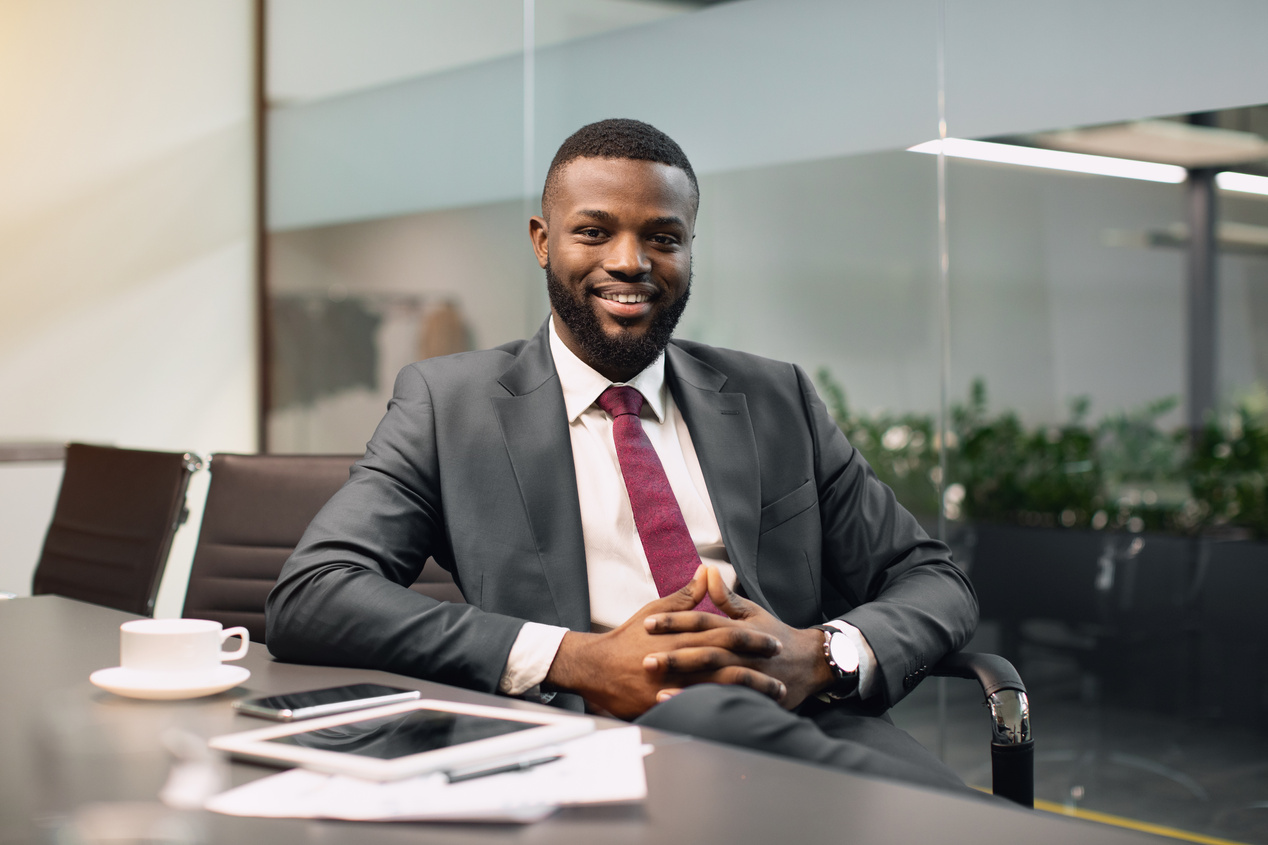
591 233
665 240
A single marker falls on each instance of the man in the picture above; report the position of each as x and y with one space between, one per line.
654 526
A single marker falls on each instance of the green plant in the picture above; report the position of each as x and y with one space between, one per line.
1123 472
1043 476
900 448
1228 468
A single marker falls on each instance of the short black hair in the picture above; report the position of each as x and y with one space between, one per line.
617 137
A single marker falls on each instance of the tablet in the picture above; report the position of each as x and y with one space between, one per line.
402 740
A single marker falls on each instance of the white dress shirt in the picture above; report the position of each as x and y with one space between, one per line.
616 566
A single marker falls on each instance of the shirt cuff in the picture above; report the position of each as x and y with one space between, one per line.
531 654
867 657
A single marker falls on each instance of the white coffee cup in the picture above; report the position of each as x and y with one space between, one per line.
177 645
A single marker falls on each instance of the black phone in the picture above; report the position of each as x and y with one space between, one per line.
308 704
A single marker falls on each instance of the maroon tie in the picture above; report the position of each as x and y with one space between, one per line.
671 554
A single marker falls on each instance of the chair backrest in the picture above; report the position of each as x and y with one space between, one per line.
113 524
258 507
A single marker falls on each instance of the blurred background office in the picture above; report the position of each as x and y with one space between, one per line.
226 225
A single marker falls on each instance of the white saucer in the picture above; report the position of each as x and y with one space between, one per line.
161 685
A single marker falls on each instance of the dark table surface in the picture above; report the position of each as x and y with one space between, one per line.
63 741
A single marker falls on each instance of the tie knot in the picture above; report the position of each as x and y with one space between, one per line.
621 400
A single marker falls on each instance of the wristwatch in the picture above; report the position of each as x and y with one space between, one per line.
843 660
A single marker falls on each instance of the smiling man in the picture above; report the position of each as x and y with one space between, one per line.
651 528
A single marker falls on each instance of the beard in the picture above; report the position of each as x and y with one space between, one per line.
619 353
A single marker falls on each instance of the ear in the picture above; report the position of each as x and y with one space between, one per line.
537 232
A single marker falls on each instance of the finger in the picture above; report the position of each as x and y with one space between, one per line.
684 622
724 598
737 639
751 678
690 661
687 596
666 694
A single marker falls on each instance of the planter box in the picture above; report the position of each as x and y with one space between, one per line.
1119 606
1233 624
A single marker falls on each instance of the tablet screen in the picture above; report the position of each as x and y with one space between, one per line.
399 736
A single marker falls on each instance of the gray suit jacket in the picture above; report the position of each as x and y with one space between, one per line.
472 465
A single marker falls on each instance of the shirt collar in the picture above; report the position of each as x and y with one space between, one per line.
582 384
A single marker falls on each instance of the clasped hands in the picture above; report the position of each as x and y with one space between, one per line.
667 646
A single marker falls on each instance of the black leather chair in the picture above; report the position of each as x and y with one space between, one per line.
258 507
112 528
1012 744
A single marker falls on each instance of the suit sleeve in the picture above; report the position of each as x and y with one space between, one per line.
908 598
343 597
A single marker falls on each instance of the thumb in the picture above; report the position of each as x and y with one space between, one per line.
691 593
724 598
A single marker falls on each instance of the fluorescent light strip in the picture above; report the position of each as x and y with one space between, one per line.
1056 160
1242 182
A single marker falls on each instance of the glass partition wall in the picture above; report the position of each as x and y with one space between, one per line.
1047 325
400 188
1105 417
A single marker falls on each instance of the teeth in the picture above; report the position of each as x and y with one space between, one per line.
626 298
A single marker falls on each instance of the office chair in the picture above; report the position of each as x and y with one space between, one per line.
258 507
1012 744
116 514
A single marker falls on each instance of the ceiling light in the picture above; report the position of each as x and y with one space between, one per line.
1056 160
1242 182
1165 141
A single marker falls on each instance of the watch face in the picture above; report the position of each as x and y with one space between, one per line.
844 654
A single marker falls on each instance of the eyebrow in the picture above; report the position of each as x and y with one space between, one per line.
609 217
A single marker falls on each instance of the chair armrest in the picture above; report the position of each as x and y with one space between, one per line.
1012 746
1002 686
993 672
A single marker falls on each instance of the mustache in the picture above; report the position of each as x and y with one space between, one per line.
627 353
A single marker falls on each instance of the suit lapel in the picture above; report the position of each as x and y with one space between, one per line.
533 423
722 434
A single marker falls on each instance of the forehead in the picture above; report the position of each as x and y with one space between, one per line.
622 185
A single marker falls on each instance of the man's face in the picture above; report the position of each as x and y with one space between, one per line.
617 253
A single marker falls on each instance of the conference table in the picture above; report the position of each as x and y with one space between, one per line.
67 747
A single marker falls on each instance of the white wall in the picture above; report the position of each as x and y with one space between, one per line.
126 226
27 493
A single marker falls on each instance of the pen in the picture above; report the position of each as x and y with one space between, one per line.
519 766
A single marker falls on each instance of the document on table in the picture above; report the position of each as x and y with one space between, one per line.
603 767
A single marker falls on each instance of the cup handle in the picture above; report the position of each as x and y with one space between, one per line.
242 649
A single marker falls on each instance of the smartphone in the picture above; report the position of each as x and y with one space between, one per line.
292 706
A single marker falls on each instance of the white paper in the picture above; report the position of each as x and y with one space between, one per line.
604 767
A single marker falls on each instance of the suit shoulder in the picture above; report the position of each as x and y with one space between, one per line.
468 366
738 365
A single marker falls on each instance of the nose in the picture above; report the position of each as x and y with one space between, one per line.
627 257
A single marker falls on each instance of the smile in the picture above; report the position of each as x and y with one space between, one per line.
627 298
